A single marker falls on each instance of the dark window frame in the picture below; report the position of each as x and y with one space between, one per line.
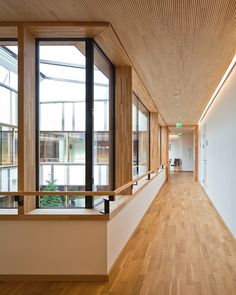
138 101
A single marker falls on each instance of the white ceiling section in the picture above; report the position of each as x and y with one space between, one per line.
180 48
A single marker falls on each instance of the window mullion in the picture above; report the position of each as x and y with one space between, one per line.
89 201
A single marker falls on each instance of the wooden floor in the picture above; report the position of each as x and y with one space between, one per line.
180 247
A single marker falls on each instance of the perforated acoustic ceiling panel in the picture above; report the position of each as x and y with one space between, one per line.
180 48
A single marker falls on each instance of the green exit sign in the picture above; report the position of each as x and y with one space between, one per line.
179 125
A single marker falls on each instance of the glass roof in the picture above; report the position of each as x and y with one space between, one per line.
8 67
55 71
60 63
62 54
67 62
13 49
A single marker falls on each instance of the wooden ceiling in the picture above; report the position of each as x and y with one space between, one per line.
179 48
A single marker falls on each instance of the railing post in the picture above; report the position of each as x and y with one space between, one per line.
20 204
106 206
111 198
135 183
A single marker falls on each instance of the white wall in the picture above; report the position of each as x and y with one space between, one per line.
176 148
182 148
187 152
220 170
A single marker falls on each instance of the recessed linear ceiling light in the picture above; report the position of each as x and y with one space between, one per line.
228 71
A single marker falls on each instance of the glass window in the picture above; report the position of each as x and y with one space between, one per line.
79 116
140 123
62 121
65 121
8 123
135 137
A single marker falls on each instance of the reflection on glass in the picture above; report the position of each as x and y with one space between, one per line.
140 123
103 98
8 123
143 139
135 138
62 123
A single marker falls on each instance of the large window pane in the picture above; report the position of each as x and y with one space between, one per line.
62 122
5 105
140 122
63 91
79 115
8 123
135 136
55 120
143 134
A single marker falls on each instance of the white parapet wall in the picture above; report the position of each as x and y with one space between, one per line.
53 247
121 226
72 248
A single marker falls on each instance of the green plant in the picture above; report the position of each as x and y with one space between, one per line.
51 201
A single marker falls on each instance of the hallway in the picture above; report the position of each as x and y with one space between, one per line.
180 247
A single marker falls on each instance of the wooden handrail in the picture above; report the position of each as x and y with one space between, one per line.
80 193
127 185
59 193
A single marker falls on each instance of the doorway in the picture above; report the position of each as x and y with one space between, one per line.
181 149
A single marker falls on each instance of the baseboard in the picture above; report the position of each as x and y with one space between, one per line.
54 278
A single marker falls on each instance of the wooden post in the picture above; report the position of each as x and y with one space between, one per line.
26 116
154 141
123 126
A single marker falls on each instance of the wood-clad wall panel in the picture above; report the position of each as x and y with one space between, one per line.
111 45
123 126
142 93
26 119
154 141
66 29
8 32
113 49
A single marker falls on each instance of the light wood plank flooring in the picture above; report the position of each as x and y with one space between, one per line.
180 247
